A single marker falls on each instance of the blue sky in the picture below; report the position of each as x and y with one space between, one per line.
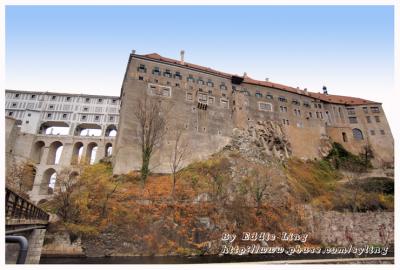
84 49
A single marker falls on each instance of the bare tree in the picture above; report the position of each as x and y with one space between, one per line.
152 122
258 182
179 152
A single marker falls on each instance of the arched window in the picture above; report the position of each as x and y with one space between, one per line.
91 151
108 152
77 153
48 182
37 152
357 134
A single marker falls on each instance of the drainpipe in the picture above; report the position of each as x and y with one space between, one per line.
23 247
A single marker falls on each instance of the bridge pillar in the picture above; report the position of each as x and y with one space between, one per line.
35 240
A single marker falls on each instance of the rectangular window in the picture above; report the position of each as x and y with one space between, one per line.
368 119
306 104
372 132
53 98
263 106
111 118
16 96
166 92
269 97
140 78
114 101
83 117
51 107
64 115
167 73
100 100
68 98
382 132
178 75
351 111
377 119
223 87
33 96
189 96
353 120
156 71
258 95
295 102
375 109
14 105
365 109
282 99
224 103
87 100
97 118
190 79
49 115
200 81
211 100
10 113
210 83
202 98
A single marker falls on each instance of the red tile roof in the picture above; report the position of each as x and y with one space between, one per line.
346 100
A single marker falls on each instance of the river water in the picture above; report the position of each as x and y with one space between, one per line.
190 260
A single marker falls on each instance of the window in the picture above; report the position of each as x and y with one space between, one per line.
178 75
167 73
200 81
100 100
53 98
29 114
344 136
51 107
14 105
166 92
85 109
377 119
189 96
140 78
202 98
142 68
33 96
87 100
97 118
319 106
224 103
156 71
263 106
177 85
375 109
49 115
68 98
351 111
296 102
310 114
16 96
269 96
382 132
283 108
190 79
114 101
223 87
258 95
306 104
365 109
211 100
10 113
357 134
372 132
64 116
26 122
83 117
285 121
297 112
210 83
282 99
353 120
368 119
111 118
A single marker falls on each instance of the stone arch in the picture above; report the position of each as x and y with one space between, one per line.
91 151
87 129
37 151
77 152
54 128
111 131
55 151
48 182
108 150
357 134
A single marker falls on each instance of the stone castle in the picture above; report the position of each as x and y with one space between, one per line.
55 130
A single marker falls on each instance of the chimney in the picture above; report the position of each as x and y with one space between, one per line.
305 91
182 57
267 79
133 51
325 90
244 74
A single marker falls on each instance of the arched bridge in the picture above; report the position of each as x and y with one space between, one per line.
26 225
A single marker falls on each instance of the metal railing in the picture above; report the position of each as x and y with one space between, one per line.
18 207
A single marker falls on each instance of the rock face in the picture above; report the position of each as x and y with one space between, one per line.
263 139
325 145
